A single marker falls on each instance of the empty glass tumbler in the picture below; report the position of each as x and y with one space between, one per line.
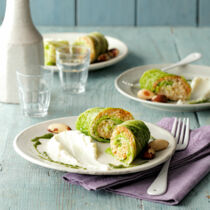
34 94
73 66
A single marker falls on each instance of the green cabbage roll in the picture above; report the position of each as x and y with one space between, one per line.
50 50
100 122
174 87
128 140
96 42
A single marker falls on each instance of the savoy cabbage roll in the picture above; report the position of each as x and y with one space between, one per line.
103 41
96 42
128 140
100 122
50 50
174 87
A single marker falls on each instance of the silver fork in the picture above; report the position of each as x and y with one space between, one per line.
180 130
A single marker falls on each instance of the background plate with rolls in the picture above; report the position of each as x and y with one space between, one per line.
132 76
71 37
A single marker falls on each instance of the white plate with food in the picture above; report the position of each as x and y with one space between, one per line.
195 96
78 153
100 59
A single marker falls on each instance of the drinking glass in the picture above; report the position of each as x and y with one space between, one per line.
73 66
34 94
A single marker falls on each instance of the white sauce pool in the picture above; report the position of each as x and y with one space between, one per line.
200 88
74 147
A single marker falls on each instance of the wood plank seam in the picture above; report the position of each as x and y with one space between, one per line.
141 205
198 13
197 119
135 12
175 44
75 13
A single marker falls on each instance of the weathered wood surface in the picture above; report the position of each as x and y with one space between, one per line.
53 12
24 185
109 12
118 12
166 12
204 15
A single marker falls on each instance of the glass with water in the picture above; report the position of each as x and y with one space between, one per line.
73 66
34 94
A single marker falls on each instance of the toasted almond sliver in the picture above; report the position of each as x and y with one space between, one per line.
58 127
145 94
158 144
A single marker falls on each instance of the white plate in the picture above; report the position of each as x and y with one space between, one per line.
71 37
24 147
133 75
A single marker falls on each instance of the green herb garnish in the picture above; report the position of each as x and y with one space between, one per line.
45 156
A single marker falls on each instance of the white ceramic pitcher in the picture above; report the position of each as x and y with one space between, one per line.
21 47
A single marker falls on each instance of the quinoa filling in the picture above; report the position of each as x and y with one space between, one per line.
172 89
121 148
104 126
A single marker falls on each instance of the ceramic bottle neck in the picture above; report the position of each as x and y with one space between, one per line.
17 13
17 26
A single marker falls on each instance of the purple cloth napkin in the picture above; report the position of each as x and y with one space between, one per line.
187 168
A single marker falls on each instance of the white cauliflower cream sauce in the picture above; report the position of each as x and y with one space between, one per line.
74 147
200 88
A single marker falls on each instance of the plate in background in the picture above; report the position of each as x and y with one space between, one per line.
71 37
133 75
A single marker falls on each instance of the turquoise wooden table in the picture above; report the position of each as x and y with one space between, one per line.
25 186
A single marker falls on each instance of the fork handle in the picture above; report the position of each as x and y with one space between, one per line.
159 186
189 59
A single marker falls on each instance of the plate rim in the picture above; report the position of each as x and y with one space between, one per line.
81 171
117 79
95 66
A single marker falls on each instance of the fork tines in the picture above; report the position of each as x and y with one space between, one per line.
180 131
